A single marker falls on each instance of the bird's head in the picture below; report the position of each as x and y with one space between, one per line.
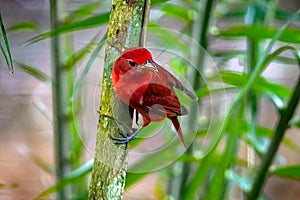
133 58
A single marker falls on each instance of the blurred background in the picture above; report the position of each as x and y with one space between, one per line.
27 156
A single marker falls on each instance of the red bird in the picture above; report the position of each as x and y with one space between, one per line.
147 87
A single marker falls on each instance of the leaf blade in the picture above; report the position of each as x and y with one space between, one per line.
3 31
33 71
258 32
91 22
292 172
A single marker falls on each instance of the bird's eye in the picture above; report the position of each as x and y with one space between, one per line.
132 64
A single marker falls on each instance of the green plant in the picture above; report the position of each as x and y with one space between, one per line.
70 163
219 171
6 49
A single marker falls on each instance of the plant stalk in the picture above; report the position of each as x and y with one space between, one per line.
58 101
274 145
203 41
253 16
201 28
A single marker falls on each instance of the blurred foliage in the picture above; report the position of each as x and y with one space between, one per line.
268 31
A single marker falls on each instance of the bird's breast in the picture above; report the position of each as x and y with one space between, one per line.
131 86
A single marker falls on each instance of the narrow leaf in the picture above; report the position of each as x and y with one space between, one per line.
10 64
87 68
91 22
198 178
80 54
132 178
272 56
167 38
292 172
289 35
285 15
157 2
33 71
262 85
24 26
4 54
73 176
177 11
82 11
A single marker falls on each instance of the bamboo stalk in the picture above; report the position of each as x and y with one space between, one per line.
275 142
201 36
58 102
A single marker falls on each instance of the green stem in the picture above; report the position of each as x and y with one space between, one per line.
218 182
253 16
58 108
202 38
203 41
276 140
205 23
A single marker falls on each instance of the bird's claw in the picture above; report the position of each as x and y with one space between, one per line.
125 139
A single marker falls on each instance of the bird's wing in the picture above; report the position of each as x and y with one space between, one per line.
162 99
174 82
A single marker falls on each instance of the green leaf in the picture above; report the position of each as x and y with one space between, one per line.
261 64
265 132
289 35
272 56
204 91
4 55
295 121
189 158
285 15
146 132
292 172
80 54
235 13
198 178
237 79
88 66
167 38
286 60
225 55
8 58
42 108
132 178
157 2
218 182
73 176
91 22
162 157
24 26
83 11
33 71
179 65
177 11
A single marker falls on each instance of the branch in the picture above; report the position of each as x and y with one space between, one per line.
108 177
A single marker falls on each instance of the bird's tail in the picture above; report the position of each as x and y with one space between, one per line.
178 129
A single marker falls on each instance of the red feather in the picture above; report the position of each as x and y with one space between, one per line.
149 88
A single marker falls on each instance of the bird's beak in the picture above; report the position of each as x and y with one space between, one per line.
149 66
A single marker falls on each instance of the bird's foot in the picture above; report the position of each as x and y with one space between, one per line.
126 138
